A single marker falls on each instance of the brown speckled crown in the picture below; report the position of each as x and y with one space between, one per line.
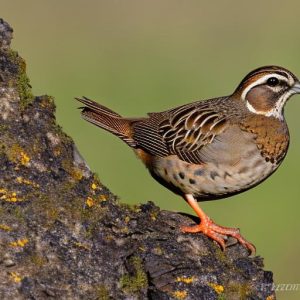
257 73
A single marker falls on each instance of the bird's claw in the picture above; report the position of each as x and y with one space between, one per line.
219 234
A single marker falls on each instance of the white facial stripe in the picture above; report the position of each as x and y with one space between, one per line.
253 110
261 81
277 110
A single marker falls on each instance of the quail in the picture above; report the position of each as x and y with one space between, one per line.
211 149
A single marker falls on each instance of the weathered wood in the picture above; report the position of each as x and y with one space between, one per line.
63 235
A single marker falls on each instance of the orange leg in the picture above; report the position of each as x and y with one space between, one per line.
212 230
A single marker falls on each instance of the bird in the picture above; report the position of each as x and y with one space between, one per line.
211 149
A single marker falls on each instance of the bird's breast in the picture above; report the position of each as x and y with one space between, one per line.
211 180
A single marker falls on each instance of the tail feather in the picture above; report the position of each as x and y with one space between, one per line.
97 107
107 119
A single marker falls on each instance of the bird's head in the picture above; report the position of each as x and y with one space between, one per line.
265 90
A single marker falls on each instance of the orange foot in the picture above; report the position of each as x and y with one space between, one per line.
214 231
219 233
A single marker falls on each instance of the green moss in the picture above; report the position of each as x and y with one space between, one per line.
48 103
52 214
73 171
17 154
18 213
24 90
23 85
129 207
235 289
3 127
132 283
92 216
38 260
47 208
102 292
2 211
220 254
13 55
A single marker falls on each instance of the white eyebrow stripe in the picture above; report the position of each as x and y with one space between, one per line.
261 81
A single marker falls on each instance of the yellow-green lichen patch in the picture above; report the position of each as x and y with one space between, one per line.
3 127
22 180
102 292
48 208
220 254
235 289
132 283
89 202
153 215
5 227
18 155
19 243
9 196
102 198
129 207
38 260
158 251
181 295
187 280
219 289
56 152
47 102
15 277
124 230
52 213
76 174
17 212
94 186
73 171
142 249
82 246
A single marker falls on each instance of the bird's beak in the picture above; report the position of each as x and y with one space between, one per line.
296 87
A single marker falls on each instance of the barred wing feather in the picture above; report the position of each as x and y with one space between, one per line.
188 130
182 131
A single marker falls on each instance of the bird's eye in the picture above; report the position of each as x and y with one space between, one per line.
272 81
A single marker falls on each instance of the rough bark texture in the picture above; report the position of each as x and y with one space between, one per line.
63 235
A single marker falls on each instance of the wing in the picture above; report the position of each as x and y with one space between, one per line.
189 129
183 131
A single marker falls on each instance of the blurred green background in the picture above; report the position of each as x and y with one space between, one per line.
140 56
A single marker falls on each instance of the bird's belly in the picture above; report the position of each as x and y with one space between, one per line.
211 180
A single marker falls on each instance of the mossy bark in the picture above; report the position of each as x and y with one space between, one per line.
63 235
